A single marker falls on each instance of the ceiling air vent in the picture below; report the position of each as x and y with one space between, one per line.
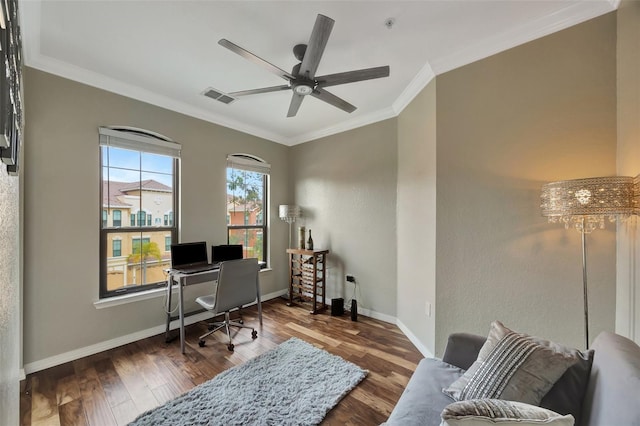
218 95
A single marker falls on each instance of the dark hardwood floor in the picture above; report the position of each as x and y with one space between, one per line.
113 387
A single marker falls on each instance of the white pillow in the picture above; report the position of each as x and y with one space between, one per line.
499 412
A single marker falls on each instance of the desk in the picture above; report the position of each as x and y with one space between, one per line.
183 280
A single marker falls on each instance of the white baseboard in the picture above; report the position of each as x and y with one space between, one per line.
43 364
423 349
376 315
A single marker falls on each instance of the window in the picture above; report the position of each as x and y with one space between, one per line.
247 183
168 219
117 218
167 243
139 174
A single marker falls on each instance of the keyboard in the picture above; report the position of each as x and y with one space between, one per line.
196 268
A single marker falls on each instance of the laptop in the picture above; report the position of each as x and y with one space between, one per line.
223 252
189 258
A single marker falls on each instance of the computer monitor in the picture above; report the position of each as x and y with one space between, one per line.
223 252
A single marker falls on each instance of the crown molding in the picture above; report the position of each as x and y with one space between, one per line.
419 82
90 78
571 15
343 126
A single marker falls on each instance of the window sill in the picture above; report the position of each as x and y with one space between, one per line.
129 298
137 297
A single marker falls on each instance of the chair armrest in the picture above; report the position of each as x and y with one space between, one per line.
462 349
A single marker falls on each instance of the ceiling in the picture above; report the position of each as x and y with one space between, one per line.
166 52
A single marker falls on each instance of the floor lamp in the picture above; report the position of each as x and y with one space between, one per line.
585 204
289 213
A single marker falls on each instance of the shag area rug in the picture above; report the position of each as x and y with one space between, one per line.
293 384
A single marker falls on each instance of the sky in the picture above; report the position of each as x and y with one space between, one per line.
133 166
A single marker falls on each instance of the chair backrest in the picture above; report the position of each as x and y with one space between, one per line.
237 284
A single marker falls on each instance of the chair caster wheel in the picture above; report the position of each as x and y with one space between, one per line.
230 347
254 334
201 343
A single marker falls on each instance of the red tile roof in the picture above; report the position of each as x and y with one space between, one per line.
113 191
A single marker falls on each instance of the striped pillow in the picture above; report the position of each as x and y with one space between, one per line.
482 412
511 366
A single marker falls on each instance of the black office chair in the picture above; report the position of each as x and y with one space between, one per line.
237 286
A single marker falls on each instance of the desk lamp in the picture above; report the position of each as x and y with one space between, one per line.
584 204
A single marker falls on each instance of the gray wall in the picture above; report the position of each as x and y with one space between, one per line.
61 208
9 298
628 61
416 217
507 124
346 185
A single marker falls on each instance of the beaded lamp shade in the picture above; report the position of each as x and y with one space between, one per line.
586 203
289 213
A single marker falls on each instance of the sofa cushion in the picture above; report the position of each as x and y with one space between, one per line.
613 394
512 366
567 394
422 400
486 412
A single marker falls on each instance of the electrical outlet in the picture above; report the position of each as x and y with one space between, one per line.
351 279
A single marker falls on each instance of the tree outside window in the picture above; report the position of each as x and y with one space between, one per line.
246 195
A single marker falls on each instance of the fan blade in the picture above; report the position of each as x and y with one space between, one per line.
332 99
296 101
263 90
255 59
352 76
315 47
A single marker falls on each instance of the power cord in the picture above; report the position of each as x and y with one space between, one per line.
166 307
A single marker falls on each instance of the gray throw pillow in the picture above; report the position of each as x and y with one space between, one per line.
491 412
512 366
567 394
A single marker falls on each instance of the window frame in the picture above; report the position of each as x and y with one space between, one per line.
145 142
251 163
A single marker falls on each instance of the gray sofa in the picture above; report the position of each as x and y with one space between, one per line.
606 394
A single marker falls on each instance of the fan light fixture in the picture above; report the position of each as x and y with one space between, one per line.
585 204
302 79
302 89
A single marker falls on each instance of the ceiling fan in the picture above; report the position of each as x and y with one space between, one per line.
302 79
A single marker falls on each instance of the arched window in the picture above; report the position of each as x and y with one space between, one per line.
137 168
247 185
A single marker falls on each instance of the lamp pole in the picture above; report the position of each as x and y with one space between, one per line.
584 285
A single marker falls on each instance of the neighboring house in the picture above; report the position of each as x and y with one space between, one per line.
136 204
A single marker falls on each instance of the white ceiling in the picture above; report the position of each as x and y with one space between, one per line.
166 53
